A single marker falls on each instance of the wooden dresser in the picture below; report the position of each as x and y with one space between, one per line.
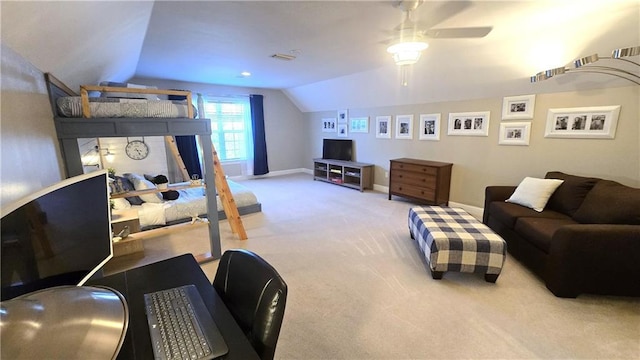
422 180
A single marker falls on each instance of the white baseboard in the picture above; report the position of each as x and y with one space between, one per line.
475 211
272 174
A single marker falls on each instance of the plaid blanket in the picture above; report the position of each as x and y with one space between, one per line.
453 240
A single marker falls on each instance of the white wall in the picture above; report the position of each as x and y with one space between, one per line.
481 161
28 144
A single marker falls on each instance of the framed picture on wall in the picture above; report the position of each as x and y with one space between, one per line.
359 124
586 122
404 127
342 130
515 133
518 107
429 127
383 127
343 116
329 125
469 123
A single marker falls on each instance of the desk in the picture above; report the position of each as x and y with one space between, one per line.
177 271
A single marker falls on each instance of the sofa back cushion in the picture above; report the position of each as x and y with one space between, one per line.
569 196
610 203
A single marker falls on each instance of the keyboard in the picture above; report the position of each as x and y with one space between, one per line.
180 325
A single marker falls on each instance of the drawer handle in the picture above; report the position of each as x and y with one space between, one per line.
399 176
400 188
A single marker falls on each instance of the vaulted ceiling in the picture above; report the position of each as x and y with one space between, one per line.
339 45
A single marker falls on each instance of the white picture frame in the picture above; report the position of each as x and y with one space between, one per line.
343 116
329 125
518 107
343 132
359 124
598 122
429 127
469 123
515 133
383 127
404 127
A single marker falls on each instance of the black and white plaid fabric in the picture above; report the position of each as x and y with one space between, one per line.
453 240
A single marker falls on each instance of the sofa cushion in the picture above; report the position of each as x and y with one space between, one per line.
534 193
508 213
539 231
569 196
610 203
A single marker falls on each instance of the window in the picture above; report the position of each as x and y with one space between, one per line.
230 127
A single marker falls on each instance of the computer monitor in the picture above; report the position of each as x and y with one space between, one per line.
60 235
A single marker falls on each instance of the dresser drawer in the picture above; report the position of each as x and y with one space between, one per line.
410 178
415 168
413 191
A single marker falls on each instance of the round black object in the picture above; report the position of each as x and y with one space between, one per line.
160 179
170 195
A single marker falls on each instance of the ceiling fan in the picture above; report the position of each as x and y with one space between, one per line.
410 36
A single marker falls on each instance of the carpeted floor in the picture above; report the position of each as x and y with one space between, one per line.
359 288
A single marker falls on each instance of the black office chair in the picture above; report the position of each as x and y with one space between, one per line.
255 294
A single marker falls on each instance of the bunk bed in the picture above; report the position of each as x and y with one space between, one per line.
69 129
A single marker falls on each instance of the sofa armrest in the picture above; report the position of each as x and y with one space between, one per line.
495 193
597 258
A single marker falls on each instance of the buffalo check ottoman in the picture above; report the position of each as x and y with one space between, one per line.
452 240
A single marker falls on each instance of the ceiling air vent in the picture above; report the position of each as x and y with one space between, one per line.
283 57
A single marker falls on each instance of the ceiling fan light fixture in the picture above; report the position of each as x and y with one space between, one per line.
407 53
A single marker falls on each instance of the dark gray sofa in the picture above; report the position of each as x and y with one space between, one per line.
586 240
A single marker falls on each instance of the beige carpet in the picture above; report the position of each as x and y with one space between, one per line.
359 288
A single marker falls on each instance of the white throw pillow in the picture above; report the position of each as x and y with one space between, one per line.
140 183
534 193
120 204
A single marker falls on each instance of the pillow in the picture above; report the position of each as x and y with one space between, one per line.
610 203
570 195
144 184
121 184
534 193
120 204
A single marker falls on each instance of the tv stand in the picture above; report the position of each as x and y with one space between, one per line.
345 173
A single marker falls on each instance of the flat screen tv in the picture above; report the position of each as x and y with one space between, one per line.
337 149
60 235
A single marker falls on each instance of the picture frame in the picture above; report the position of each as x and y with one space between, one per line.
342 130
383 127
343 116
469 123
329 125
515 133
598 122
518 107
429 127
359 124
404 127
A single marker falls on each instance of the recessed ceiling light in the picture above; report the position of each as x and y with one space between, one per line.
245 73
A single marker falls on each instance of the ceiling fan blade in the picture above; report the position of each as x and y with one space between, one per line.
459 33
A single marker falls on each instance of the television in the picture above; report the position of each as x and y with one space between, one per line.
60 235
337 149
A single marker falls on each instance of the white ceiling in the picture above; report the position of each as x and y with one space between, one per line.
341 58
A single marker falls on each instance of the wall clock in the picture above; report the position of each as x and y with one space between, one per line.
137 149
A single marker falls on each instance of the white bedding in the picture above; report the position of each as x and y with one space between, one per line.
191 203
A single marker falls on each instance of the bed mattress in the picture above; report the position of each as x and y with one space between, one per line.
102 107
192 203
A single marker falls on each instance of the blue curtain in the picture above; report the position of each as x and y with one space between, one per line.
189 153
187 148
260 164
